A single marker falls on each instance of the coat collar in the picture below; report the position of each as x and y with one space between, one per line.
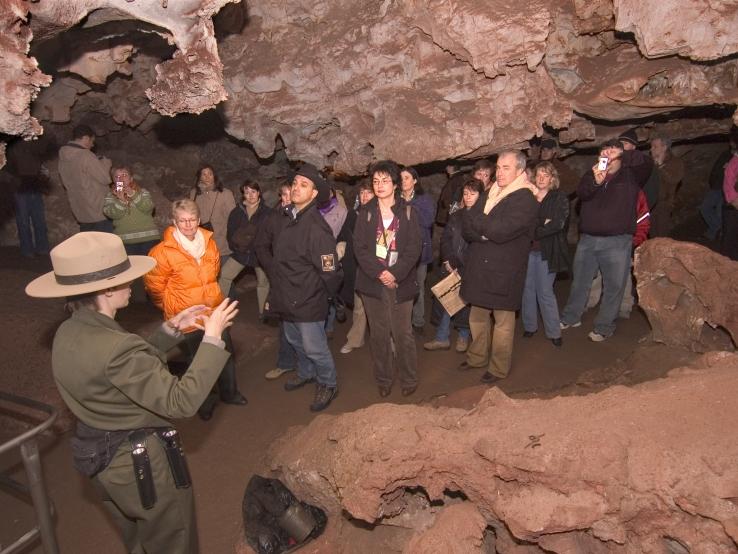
93 317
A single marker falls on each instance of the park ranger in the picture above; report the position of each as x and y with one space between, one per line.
119 388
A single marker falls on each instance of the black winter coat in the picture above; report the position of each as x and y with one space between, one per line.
409 244
497 257
552 235
302 264
241 233
453 245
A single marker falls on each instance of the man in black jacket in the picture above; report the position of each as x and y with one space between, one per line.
304 275
499 229
609 195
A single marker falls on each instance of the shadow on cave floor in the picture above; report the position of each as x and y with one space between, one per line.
239 437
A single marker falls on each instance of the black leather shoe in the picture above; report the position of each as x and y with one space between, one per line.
384 392
528 334
323 397
557 342
295 382
464 366
238 399
489 379
206 410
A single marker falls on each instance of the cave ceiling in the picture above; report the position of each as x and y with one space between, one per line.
344 82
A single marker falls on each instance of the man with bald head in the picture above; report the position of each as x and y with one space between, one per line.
499 229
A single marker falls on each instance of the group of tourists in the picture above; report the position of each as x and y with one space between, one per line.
504 232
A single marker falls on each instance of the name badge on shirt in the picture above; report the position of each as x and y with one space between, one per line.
392 258
381 251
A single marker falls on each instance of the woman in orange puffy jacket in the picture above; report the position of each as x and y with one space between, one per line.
186 274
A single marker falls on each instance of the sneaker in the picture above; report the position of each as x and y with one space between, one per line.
346 348
276 373
596 337
462 344
323 397
567 325
295 382
437 345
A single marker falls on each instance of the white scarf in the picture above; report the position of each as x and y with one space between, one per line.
195 247
497 194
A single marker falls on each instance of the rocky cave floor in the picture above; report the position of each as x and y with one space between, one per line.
225 452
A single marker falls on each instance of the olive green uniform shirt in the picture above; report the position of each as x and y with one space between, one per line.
112 379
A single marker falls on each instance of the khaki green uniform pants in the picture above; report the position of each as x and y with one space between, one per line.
168 527
499 358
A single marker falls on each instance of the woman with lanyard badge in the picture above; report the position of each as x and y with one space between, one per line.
387 245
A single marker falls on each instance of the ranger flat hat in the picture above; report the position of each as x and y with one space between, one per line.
88 262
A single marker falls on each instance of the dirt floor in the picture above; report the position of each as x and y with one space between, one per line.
224 452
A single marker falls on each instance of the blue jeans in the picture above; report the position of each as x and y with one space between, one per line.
443 331
286 356
539 294
29 214
314 359
712 211
611 255
330 321
104 226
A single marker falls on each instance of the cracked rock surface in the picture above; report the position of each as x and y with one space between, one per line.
682 286
622 470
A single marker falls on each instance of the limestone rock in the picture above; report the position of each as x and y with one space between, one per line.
696 29
20 77
190 82
682 286
98 65
459 529
623 468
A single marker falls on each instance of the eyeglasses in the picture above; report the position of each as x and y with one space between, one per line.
188 220
117 175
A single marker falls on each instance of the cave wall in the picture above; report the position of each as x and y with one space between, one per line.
345 82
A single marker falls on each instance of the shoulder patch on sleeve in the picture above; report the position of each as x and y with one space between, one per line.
328 262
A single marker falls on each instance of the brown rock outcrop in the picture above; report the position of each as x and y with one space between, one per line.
20 77
623 470
191 82
682 286
696 29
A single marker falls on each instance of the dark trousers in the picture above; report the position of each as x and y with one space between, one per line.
31 222
389 321
167 527
104 226
225 386
729 245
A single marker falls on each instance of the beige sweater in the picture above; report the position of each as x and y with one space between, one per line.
86 179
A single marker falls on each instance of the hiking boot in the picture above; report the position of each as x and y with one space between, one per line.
295 382
462 344
276 373
489 379
323 397
437 345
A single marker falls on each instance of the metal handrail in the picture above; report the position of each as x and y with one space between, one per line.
35 488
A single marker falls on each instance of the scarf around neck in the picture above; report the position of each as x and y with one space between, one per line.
195 247
497 194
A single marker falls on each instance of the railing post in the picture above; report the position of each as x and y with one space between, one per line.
32 463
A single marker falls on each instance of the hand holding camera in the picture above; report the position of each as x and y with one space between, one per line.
599 170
